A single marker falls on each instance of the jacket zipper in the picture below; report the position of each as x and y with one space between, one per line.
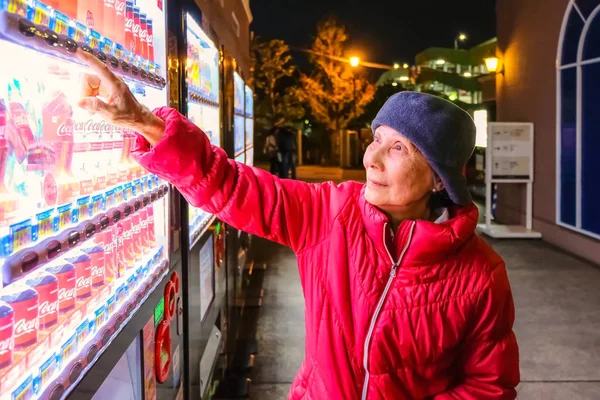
395 265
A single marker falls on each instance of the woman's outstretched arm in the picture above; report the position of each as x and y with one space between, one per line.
294 213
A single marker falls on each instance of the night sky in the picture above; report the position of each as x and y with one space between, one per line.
395 31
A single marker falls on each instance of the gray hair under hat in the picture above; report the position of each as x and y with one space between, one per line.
441 130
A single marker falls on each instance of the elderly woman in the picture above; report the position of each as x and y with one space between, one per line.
403 300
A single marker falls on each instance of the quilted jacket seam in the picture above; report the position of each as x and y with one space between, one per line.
457 275
446 300
327 236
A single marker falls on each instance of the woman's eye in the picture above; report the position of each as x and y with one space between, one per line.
397 147
376 138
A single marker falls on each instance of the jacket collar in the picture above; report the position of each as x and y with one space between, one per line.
431 242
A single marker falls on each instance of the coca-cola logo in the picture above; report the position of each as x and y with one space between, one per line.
6 345
144 223
136 229
108 248
91 126
143 34
136 29
127 234
65 129
120 7
20 119
84 282
89 19
47 308
97 271
109 3
23 326
64 294
150 39
128 23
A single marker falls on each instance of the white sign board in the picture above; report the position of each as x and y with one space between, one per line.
510 152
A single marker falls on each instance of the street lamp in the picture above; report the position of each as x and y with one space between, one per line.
491 63
396 66
354 61
461 37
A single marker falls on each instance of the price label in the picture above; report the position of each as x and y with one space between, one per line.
21 235
46 225
65 216
129 191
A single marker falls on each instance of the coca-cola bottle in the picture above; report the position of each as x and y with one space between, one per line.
119 24
24 302
129 22
6 334
143 35
150 40
47 287
136 31
109 19
66 274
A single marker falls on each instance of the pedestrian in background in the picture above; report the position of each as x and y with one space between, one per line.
286 142
272 151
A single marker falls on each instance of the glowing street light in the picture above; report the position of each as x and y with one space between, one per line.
404 78
396 66
461 37
467 74
440 62
405 66
394 83
354 61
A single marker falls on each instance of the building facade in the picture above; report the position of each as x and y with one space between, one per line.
230 20
550 56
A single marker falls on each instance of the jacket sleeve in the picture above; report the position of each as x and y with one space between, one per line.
490 359
292 213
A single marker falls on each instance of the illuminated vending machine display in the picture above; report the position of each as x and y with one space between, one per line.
239 141
249 124
202 78
83 228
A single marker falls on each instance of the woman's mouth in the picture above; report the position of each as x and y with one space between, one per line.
376 183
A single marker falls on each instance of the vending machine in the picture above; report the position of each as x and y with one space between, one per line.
90 293
200 99
249 124
203 102
239 127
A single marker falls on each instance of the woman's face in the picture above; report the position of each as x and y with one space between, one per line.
398 175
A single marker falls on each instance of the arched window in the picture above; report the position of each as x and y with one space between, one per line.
578 119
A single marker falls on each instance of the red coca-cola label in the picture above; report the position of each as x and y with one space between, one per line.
136 236
98 269
6 340
66 297
48 303
66 289
151 234
111 271
83 266
128 252
144 230
25 329
120 7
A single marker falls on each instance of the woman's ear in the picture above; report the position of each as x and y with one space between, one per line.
438 185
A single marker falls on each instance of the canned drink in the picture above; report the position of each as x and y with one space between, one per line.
136 236
66 274
97 255
83 267
47 287
6 335
24 301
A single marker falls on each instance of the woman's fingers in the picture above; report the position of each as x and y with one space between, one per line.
106 76
96 106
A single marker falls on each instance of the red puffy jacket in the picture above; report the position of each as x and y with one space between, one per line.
426 315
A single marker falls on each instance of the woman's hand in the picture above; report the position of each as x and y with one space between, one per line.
107 95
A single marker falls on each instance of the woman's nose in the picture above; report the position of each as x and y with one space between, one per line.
373 158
